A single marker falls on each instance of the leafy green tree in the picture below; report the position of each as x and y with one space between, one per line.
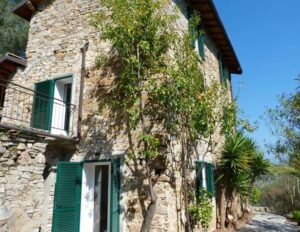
280 191
284 121
13 30
158 87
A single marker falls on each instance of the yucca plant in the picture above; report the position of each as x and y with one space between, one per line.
240 165
233 170
258 167
236 160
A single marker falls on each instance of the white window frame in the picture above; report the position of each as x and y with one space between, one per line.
87 196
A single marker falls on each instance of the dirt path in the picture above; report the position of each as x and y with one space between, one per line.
267 222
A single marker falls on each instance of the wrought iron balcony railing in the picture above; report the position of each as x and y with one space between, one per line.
25 108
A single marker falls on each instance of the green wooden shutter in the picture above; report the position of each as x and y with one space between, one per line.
221 70
191 29
201 41
42 105
199 177
210 184
226 76
115 196
67 198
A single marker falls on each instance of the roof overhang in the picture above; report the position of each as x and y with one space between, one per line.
9 64
26 8
215 28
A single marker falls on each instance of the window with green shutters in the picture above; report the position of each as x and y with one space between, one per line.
192 30
209 177
67 199
224 73
201 42
201 37
52 109
43 105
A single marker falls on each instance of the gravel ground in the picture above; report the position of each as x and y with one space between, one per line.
267 222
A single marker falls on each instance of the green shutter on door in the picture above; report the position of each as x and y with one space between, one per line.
210 183
42 105
199 177
115 196
67 198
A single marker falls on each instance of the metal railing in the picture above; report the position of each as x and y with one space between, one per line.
22 107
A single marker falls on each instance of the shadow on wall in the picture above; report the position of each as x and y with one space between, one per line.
107 134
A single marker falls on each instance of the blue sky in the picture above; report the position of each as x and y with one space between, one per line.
266 37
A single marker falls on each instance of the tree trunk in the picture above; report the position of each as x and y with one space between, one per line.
188 226
153 203
233 211
222 207
247 203
153 197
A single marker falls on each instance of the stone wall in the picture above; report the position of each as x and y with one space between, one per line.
27 181
57 32
22 165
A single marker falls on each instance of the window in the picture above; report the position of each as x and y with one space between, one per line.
201 42
52 106
224 73
87 197
197 43
205 177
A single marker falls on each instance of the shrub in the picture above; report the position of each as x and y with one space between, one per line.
296 215
202 211
255 196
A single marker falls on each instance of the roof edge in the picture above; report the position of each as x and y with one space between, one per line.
216 30
219 21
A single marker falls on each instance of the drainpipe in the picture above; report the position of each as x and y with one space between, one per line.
82 76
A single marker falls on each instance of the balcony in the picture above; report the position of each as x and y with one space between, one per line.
38 111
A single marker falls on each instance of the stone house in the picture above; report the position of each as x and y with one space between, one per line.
62 166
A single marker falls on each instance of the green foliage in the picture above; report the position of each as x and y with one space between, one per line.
159 71
235 161
13 30
280 192
202 211
285 123
296 215
140 41
152 145
255 196
259 166
158 86
241 164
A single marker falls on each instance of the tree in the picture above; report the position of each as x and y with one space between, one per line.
158 88
13 30
284 122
